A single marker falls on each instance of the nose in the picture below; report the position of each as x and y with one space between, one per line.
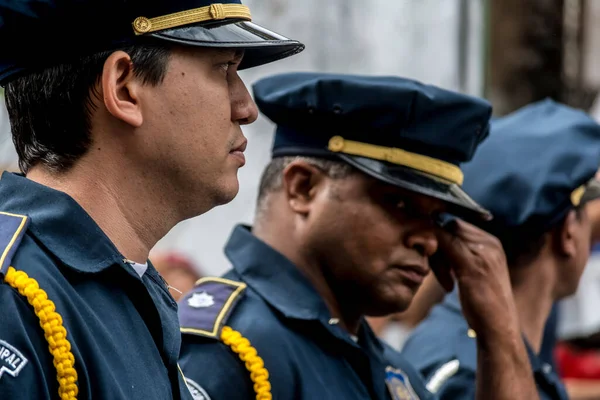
243 107
424 241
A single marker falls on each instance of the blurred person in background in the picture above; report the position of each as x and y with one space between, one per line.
177 270
348 216
126 117
536 174
578 330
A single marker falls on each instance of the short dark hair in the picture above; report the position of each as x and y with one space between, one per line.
522 245
271 179
50 110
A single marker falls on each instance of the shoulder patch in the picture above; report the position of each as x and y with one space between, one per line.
11 360
197 391
12 229
205 309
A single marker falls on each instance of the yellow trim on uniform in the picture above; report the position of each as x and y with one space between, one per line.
576 196
214 12
54 331
433 166
254 363
238 344
183 376
15 236
240 288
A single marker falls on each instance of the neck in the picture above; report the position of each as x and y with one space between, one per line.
533 289
128 209
277 236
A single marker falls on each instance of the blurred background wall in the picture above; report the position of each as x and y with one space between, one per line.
510 51
436 41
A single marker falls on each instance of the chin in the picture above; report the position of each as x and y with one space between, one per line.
570 291
228 193
389 305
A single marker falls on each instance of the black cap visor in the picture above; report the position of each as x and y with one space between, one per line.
261 45
459 203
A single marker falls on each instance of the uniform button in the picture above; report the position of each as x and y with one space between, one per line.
334 321
471 333
547 368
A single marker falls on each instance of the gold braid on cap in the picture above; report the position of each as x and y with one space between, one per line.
214 12
429 165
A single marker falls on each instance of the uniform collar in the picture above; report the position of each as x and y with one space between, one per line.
59 223
452 301
275 278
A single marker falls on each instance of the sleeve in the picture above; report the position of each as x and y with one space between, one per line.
26 367
213 372
460 386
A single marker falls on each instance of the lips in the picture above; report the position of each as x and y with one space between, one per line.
413 272
238 152
241 147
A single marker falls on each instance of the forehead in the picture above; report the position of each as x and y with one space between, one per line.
378 191
233 53
211 54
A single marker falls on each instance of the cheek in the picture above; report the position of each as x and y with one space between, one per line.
365 241
195 100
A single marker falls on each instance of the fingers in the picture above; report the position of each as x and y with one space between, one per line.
464 249
474 235
442 272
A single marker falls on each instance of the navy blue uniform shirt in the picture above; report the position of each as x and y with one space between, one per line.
122 329
308 356
448 361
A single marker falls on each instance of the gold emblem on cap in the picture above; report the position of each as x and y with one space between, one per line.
142 25
336 144
577 194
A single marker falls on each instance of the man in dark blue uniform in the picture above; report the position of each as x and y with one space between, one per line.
362 169
126 118
536 174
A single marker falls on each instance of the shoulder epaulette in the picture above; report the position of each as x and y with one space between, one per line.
204 312
12 229
205 309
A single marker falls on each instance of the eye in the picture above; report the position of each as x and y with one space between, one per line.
393 200
226 66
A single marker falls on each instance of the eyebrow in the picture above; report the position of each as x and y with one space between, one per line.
236 54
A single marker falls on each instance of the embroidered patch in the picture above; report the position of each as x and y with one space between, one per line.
201 300
12 229
197 391
399 385
204 310
11 360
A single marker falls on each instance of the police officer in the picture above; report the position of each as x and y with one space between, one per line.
535 174
126 118
362 168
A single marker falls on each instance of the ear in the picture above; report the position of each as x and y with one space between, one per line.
301 184
567 235
120 89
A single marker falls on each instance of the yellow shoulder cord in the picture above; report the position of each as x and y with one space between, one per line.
54 331
254 363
